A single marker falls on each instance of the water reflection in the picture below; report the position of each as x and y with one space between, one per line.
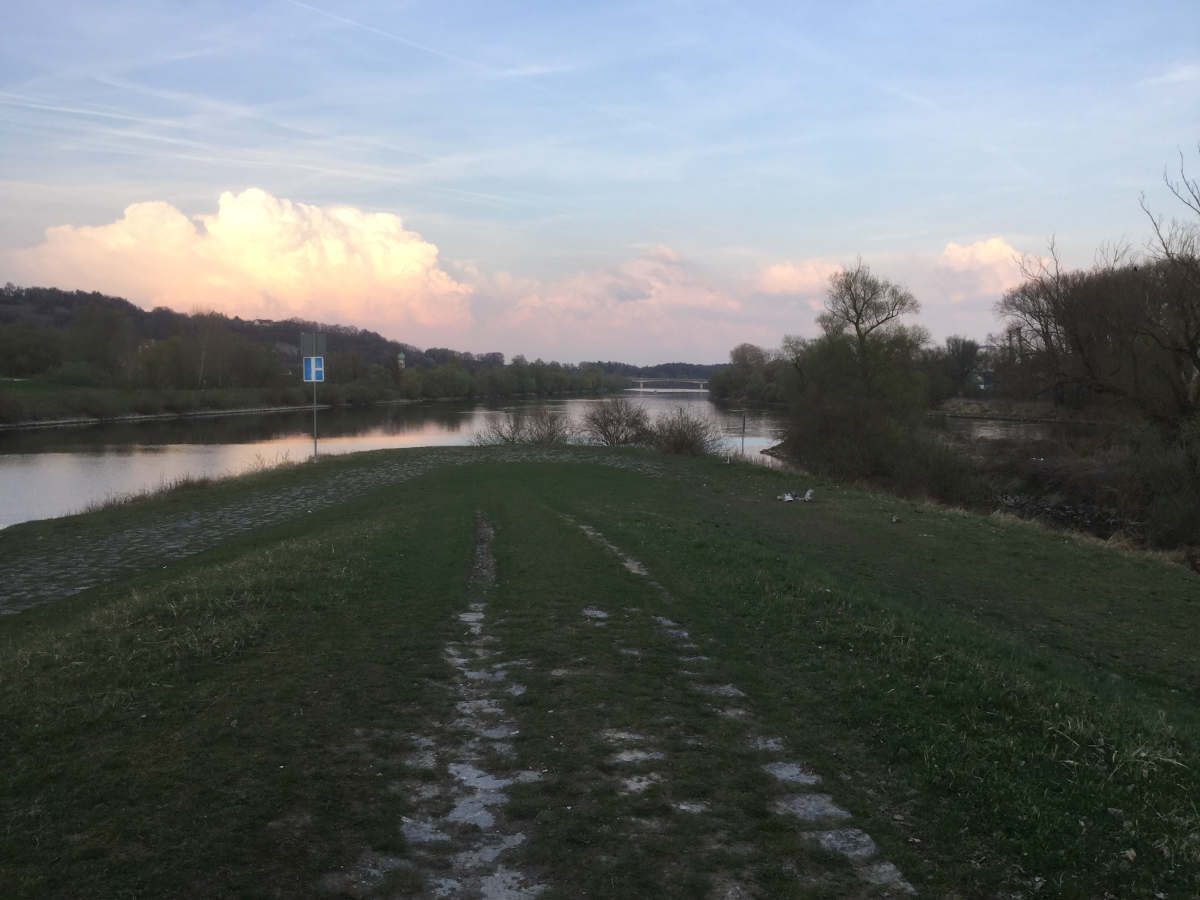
52 472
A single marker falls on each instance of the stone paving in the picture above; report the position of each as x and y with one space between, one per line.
63 565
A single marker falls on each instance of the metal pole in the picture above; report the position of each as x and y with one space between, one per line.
743 431
314 418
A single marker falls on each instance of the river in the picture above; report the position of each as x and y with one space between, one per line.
51 472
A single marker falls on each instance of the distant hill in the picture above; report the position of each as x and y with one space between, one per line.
51 310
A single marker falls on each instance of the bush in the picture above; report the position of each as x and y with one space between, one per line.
78 374
1162 480
617 423
516 427
11 408
685 433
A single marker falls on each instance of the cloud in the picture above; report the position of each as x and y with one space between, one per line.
809 276
655 306
646 291
1180 73
257 256
984 268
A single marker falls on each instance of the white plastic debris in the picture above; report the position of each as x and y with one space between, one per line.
808 496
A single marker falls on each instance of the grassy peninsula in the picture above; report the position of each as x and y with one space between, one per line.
1003 709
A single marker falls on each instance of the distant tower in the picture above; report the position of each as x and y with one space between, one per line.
400 360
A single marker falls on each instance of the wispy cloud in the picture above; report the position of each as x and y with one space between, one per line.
1180 73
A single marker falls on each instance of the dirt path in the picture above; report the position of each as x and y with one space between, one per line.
797 794
457 836
63 565
551 752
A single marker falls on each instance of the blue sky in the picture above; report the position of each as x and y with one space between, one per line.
640 181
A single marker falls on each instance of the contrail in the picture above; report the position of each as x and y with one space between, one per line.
390 35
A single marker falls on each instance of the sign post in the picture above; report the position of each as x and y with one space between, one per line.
312 351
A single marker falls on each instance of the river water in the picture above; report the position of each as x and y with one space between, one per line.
57 471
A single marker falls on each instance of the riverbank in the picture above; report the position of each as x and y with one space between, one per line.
28 405
279 684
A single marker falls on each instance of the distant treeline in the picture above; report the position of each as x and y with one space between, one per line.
90 340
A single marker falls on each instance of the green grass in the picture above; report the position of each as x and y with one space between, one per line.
994 703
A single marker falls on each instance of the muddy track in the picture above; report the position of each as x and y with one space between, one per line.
457 836
63 565
800 795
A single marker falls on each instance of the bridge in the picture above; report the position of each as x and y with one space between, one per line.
657 385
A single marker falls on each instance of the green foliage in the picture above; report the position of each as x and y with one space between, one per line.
78 373
28 349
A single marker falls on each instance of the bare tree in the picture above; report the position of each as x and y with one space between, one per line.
861 301
616 422
1175 324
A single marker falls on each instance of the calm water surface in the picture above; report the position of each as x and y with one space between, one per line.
54 472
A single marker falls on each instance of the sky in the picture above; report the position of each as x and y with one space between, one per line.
645 182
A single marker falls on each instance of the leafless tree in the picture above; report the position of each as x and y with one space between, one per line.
616 423
860 301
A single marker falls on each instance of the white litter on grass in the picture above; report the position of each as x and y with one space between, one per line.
691 806
559 673
693 659
665 622
733 712
592 613
629 651
790 497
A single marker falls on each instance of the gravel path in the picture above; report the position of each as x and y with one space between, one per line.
63 565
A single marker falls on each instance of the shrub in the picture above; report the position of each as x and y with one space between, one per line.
1162 479
685 433
11 408
617 423
78 374
517 427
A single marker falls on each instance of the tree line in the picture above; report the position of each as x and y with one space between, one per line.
1120 339
90 340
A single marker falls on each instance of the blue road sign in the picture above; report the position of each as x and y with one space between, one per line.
314 368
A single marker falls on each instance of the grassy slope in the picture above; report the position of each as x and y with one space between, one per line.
1005 704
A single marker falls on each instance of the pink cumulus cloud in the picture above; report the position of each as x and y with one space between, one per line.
808 276
257 256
